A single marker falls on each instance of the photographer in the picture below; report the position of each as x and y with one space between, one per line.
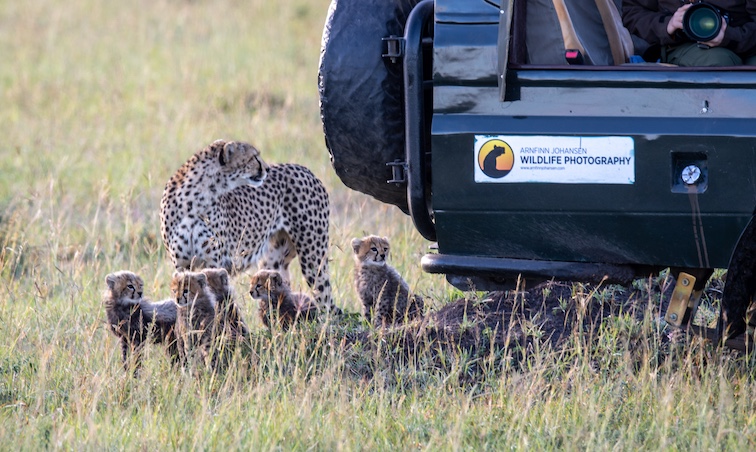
660 23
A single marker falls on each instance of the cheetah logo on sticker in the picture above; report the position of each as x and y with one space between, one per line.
495 158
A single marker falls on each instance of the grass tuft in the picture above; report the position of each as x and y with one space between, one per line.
104 100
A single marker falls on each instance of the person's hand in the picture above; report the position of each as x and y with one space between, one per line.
717 41
675 23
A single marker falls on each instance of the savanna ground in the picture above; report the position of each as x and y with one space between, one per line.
101 101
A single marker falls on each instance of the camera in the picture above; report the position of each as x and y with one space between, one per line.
703 21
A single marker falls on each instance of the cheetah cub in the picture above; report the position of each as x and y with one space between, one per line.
135 320
230 327
384 293
274 294
230 322
195 320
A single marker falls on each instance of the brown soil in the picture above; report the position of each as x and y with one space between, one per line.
549 313
511 325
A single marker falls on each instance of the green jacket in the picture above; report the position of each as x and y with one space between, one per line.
648 19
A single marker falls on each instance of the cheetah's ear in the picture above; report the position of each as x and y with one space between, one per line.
223 275
201 279
356 245
385 239
110 280
276 279
227 153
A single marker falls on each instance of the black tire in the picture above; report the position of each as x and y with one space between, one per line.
740 284
361 95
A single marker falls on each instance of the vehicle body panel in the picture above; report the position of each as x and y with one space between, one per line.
673 116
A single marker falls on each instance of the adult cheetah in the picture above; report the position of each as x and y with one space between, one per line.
226 208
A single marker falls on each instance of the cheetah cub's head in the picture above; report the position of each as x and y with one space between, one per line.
237 164
125 287
187 287
217 281
266 284
370 250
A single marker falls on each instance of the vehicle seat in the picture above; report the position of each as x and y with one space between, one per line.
620 40
594 27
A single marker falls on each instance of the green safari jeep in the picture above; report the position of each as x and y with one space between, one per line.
538 139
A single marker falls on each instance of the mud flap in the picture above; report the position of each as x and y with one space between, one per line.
740 286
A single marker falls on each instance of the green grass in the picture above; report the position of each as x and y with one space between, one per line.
100 102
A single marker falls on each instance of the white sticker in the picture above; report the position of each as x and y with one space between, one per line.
554 159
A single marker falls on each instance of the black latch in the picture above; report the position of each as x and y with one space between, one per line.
574 57
394 47
398 172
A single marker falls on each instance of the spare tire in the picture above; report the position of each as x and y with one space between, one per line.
361 95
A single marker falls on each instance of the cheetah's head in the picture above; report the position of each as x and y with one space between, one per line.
370 250
187 287
234 164
266 284
217 281
125 286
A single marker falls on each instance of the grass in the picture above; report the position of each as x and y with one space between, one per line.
101 101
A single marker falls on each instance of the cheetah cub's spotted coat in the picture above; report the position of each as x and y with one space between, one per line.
230 322
135 320
195 320
276 298
227 208
384 293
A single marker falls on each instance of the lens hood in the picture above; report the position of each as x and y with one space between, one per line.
702 22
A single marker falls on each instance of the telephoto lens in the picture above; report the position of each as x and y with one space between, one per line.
702 22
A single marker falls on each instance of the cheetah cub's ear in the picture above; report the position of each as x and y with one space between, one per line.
276 281
223 275
111 280
201 280
356 245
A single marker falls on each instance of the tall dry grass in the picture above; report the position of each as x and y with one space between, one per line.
99 103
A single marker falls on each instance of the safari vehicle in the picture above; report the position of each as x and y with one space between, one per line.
532 139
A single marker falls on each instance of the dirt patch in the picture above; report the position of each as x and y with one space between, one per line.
510 326
549 313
